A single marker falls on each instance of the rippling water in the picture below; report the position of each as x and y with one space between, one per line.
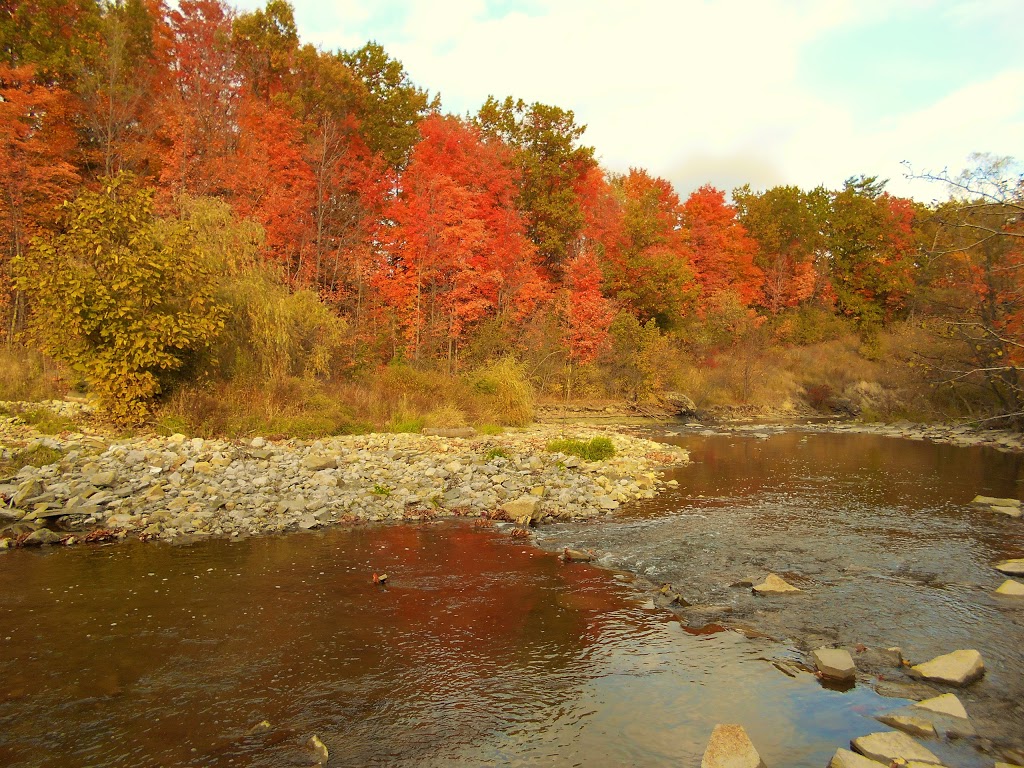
487 651
482 651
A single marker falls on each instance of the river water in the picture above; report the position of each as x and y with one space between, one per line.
485 650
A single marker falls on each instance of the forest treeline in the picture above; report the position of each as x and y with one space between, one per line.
189 193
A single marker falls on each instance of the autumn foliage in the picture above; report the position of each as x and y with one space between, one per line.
431 238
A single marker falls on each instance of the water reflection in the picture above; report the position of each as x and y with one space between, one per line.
482 651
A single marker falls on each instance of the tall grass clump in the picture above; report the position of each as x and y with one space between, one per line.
595 449
506 389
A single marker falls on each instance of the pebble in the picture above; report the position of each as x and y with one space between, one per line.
172 487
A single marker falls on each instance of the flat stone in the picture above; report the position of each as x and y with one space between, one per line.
730 747
775 585
960 667
946 704
915 726
1009 511
316 462
1011 588
844 758
1014 567
886 746
835 663
103 479
990 501
449 431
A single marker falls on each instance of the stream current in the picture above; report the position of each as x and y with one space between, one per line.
484 650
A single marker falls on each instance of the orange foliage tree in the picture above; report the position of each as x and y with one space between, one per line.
722 250
36 142
456 250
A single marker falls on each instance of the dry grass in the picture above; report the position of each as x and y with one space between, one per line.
28 375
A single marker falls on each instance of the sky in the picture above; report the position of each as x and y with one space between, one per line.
723 92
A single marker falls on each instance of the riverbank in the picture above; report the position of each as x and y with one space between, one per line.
174 488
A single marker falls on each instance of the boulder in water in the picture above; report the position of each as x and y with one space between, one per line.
775 585
835 663
959 668
1011 588
1014 567
887 746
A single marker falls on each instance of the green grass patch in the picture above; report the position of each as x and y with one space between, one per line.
490 429
381 490
44 420
595 449
405 425
39 456
495 453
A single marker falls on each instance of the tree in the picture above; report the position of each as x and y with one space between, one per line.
200 110
36 142
976 281
648 264
722 251
119 295
788 225
393 107
265 44
116 84
456 250
872 244
550 163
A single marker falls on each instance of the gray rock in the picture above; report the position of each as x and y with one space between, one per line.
41 538
315 462
887 746
730 747
103 479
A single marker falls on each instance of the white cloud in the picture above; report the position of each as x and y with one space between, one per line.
695 91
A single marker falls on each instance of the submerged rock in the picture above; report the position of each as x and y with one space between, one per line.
915 726
1014 567
1011 588
835 663
844 758
730 747
990 501
775 585
887 746
946 704
317 749
960 667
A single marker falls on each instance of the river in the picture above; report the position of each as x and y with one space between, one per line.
485 650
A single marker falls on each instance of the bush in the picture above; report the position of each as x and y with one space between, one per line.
120 296
510 396
596 449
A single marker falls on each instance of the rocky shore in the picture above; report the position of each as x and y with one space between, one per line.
168 488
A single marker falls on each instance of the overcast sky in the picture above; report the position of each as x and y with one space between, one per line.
725 92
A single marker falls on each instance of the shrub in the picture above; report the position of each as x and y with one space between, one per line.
596 449
508 389
119 296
